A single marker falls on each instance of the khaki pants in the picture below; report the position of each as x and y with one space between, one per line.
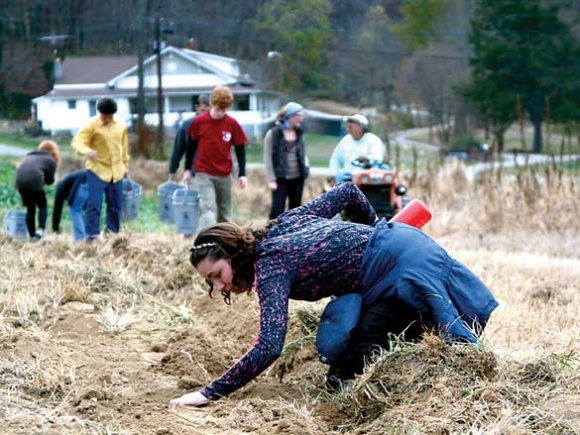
215 198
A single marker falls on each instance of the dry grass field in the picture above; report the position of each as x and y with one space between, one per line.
96 339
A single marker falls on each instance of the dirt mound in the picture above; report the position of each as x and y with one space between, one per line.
434 388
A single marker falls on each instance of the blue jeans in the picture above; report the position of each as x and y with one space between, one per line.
75 212
389 316
113 193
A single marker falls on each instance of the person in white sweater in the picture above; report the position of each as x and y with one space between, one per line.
359 144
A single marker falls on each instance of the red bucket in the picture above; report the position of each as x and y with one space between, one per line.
415 213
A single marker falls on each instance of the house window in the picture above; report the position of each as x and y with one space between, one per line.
242 102
72 104
149 105
92 107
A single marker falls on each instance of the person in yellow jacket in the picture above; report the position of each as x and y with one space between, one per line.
103 142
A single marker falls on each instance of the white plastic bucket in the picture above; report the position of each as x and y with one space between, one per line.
185 211
15 224
165 200
130 201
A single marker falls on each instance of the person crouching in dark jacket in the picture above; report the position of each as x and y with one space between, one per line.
34 172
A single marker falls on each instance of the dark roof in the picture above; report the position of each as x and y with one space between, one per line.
100 70
94 69
104 91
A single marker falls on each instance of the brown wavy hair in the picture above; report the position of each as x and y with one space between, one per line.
229 241
52 148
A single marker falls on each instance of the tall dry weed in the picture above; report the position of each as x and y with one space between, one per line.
496 200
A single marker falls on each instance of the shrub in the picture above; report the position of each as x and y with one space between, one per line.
462 143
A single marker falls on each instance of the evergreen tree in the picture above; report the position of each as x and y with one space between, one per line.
522 49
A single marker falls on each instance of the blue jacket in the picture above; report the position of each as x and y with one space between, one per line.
407 264
403 263
66 189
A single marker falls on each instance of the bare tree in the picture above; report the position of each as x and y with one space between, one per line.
428 79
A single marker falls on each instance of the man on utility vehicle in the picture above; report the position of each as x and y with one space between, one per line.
358 145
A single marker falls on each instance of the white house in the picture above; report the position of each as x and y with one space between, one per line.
81 81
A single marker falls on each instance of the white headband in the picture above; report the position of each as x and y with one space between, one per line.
202 245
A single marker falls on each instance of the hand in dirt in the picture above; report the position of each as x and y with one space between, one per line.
189 399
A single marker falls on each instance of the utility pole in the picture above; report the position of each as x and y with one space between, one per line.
160 108
55 43
140 128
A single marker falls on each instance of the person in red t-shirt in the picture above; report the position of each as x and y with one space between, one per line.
212 136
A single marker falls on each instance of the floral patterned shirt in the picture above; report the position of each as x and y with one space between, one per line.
308 256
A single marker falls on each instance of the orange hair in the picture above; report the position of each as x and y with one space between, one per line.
222 97
52 148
